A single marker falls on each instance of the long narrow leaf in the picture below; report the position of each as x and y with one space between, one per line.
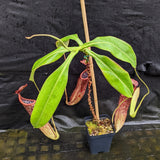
114 74
51 94
117 47
47 59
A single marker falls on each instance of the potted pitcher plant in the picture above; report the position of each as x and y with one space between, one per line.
100 128
43 108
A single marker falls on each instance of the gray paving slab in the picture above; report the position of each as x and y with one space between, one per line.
135 143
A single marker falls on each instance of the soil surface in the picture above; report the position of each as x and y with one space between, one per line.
101 127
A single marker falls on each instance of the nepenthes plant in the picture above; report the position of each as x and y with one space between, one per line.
54 86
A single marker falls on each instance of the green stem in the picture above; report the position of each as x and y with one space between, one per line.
48 35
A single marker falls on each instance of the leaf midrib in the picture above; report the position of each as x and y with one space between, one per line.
92 43
53 89
110 68
50 56
35 68
46 102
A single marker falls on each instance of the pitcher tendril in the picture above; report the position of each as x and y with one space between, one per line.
148 91
36 86
48 35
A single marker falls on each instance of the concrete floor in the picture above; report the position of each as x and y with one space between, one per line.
135 143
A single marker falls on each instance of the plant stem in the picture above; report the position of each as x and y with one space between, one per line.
48 35
84 17
89 93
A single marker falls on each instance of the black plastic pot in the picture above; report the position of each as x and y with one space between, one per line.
100 143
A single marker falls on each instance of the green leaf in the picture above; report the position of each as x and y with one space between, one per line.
51 94
47 59
67 38
117 47
114 74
